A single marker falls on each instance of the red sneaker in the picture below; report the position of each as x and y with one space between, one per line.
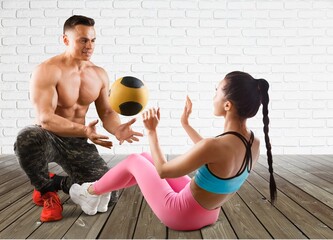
52 210
36 196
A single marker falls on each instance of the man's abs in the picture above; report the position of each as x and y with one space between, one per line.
75 114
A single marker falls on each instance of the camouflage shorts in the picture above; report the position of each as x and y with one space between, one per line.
35 147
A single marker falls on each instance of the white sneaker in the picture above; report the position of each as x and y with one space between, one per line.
104 202
104 199
87 201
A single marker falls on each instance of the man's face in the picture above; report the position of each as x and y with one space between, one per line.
80 41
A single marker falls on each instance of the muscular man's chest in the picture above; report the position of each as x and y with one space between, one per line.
78 89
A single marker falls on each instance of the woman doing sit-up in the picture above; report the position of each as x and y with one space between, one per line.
223 163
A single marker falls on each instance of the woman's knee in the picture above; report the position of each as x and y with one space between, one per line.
134 156
136 159
146 155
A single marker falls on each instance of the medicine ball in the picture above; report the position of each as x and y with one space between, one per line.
128 96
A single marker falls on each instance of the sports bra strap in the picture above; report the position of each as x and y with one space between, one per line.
248 153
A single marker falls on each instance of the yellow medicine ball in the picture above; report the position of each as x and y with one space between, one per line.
128 96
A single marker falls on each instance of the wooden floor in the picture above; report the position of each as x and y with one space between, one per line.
304 208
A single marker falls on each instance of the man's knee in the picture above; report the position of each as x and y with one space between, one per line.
27 136
27 141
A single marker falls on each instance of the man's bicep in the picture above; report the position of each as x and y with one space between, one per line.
103 107
43 92
102 102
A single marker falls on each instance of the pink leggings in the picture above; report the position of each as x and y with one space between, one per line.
170 199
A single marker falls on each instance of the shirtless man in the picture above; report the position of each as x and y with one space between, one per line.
62 88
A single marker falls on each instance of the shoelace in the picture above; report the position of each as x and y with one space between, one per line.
49 202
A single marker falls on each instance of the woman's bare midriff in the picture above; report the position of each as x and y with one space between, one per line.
207 200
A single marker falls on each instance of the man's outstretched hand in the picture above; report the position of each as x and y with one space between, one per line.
124 132
95 137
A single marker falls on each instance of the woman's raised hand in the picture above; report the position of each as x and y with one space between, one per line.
151 118
187 112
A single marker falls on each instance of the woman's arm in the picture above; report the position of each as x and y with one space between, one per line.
151 119
191 132
184 164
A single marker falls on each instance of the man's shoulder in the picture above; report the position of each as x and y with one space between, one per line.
97 69
49 67
54 62
94 66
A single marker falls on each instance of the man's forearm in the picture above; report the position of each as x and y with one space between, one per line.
111 122
62 126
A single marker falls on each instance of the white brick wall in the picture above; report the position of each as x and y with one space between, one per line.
184 47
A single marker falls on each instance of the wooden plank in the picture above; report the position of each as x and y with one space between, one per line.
11 213
308 187
14 194
71 217
13 183
19 230
273 220
88 227
10 173
26 224
77 231
244 222
326 160
16 210
7 163
308 165
296 168
122 221
9 168
172 234
312 161
56 230
6 157
222 229
299 207
148 225
19 201
308 202
12 203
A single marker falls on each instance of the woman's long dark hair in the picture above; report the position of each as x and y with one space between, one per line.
247 93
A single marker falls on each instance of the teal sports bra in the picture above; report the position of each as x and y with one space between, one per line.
208 181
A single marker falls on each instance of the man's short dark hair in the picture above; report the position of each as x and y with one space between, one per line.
78 20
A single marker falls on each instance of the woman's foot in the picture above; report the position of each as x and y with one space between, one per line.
104 199
88 202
